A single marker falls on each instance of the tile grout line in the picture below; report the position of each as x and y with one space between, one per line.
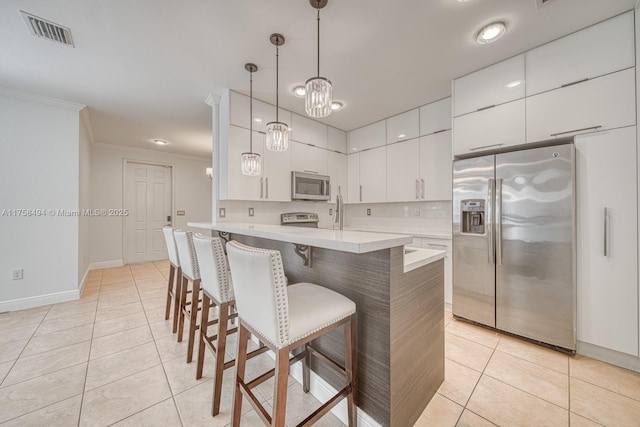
569 390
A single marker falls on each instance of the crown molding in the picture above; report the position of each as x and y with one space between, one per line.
40 99
110 146
85 119
212 99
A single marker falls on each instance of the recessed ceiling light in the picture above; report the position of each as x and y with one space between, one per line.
513 84
299 91
257 119
402 135
491 32
337 105
160 142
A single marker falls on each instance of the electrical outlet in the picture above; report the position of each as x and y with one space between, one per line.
251 211
416 212
222 212
17 274
330 211
368 212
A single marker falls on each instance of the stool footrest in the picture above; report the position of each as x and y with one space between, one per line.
332 363
321 411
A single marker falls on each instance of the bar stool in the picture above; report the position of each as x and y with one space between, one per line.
285 318
217 291
190 273
175 274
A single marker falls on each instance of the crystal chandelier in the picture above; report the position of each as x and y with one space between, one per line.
318 97
277 132
251 162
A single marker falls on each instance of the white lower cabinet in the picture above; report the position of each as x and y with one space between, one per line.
338 175
493 128
403 170
606 102
373 175
435 166
607 239
276 171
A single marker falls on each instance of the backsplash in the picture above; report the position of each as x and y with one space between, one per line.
433 218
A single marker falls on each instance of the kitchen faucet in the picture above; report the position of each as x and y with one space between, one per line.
338 215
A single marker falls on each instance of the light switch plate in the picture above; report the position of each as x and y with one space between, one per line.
222 212
368 212
18 274
180 213
251 212
330 211
416 212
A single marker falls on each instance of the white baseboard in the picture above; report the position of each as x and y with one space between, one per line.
39 300
106 264
323 391
83 281
606 355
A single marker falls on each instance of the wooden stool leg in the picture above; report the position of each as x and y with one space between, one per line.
280 387
351 368
204 320
241 360
221 346
183 300
195 296
306 370
176 299
172 271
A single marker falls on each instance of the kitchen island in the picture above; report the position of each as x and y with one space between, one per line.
400 309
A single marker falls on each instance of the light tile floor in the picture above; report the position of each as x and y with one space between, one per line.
110 359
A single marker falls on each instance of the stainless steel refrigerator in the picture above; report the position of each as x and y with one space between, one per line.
514 249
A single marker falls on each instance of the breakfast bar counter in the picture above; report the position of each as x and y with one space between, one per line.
399 303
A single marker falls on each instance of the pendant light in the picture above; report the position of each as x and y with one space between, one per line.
318 97
277 132
251 162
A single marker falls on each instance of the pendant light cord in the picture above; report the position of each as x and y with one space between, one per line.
277 80
318 42
251 112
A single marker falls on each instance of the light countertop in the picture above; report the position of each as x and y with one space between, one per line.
415 232
346 240
417 257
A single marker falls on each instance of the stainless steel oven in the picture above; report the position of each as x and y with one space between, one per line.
309 186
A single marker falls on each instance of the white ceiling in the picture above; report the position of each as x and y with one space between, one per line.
144 67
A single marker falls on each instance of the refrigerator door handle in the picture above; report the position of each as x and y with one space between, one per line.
499 221
606 231
489 219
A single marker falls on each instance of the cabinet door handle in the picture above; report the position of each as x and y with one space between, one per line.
437 245
361 193
417 189
422 187
310 171
262 188
486 108
576 82
606 232
266 185
577 130
486 146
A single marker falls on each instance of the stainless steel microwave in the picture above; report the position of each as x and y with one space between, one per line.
309 186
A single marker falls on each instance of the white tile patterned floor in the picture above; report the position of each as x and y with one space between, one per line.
110 358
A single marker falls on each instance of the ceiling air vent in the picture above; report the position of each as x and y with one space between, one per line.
47 30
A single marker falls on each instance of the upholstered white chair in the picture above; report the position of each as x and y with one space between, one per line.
190 273
217 290
175 275
284 318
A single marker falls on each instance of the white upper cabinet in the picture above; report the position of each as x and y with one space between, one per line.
238 109
603 103
435 117
264 113
595 51
337 140
403 126
435 166
494 128
370 136
308 131
276 171
403 171
494 85
233 184
305 158
353 178
338 175
373 175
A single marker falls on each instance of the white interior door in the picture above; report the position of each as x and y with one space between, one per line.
148 199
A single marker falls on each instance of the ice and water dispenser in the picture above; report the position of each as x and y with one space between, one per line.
473 216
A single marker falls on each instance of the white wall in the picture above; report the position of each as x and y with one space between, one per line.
38 170
192 193
84 200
